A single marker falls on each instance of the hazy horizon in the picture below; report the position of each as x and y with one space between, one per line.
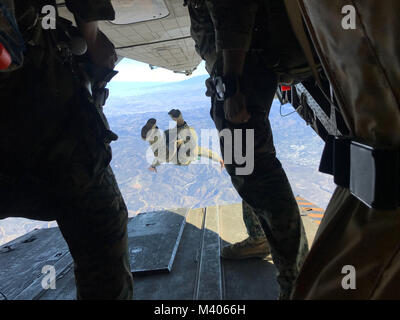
131 103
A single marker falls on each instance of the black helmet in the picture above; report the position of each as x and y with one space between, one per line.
175 113
148 126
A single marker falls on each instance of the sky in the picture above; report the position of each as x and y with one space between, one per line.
131 70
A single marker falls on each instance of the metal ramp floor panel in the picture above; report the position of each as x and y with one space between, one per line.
154 238
22 260
181 282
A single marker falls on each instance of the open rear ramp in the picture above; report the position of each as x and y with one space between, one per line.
175 255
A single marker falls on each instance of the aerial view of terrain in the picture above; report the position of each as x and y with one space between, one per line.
132 103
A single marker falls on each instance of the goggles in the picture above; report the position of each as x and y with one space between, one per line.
12 43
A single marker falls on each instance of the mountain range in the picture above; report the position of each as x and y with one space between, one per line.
130 105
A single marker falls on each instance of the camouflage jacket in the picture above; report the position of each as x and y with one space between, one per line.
221 24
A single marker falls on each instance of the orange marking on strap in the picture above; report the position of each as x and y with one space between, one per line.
317 221
317 209
306 204
315 215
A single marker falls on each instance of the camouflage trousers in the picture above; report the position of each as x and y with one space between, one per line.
96 233
251 222
55 166
94 225
266 190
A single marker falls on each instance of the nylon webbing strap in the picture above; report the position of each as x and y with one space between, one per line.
296 19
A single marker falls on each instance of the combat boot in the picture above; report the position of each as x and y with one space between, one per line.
249 248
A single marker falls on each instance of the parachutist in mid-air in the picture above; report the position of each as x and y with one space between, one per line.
178 145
